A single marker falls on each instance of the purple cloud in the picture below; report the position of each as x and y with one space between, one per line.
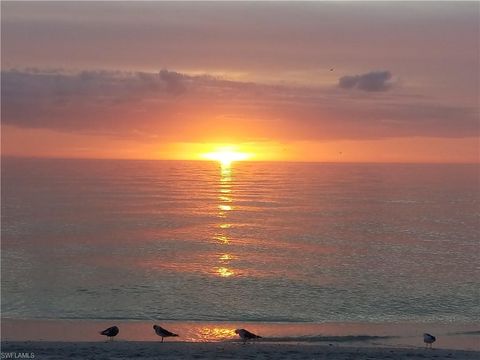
372 81
126 104
175 82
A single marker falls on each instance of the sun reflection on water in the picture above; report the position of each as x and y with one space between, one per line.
224 208
225 257
225 272
226 172
216 334
221 239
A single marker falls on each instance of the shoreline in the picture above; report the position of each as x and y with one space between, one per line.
375 335
147 350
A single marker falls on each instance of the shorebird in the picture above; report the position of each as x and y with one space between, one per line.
163 332
428 339
110 332
246 335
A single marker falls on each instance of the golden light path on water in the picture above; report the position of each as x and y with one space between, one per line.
216 333
225 206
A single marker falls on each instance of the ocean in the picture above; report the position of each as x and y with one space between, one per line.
264 242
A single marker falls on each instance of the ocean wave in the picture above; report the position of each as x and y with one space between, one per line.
476 332
322 338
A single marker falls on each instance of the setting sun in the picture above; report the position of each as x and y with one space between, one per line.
226 154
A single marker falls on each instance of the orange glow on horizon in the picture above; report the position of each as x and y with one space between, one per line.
226 155
44 143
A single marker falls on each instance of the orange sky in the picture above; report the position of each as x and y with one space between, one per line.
295 82
46 143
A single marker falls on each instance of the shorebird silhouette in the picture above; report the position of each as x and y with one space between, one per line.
428 339
246 335
110 332
163 332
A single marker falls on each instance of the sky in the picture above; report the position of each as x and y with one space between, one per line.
293 81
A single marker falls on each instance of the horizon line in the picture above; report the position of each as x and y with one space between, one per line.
4 157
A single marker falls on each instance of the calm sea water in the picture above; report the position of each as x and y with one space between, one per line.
291 242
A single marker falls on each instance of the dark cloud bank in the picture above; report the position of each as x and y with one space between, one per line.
372 81
167 103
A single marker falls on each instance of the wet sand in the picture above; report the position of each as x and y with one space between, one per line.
218 350
449 336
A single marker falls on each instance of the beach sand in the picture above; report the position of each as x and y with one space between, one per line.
217 350
78 339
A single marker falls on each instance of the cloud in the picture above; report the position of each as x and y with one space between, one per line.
169 105
175 82
372 81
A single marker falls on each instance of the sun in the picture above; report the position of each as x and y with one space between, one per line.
226 155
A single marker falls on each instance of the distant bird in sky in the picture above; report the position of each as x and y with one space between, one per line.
110 332
429 339
331 69
246 335
163 332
